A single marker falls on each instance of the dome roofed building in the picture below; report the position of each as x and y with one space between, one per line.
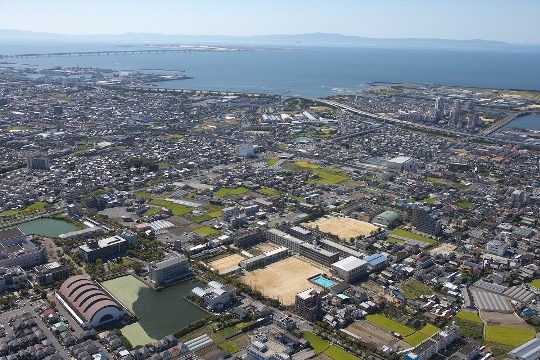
89 304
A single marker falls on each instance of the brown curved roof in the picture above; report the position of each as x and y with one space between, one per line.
85 297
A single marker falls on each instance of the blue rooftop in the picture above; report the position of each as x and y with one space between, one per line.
375 259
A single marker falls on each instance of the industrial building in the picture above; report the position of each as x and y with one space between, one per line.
350 269
16 249
88 303
170 271
308 304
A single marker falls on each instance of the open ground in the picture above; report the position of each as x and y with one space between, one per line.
502 319
443 249
282 280
226 262
370 332
345 228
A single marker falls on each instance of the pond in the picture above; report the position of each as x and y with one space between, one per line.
46 227
160 313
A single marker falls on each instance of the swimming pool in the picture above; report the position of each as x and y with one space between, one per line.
322 281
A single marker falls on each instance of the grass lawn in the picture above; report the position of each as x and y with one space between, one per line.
230 347
535 283
152 211
415 339
206 230
413 288
509 335
428 200
319 345
37 206
272 161
176 209
390 325
411 235
469 316
436 180
268 191
338 353
142 194
469 329
305 164
464 204
225 192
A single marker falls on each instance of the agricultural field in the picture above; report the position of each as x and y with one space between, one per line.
469 316
338 353
413 288
370 332
344 228
424 333
305 164
176 209
282 280
535 283
223 192
411 235
390 325
268 191
319 345
142 194
272 161
509 335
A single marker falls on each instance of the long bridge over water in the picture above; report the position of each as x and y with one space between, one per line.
117 52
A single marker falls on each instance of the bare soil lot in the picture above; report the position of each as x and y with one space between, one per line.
443 249
501 319
226 262
344 228
282 280
370 332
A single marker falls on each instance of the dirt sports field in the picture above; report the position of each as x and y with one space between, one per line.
282 280
226 262
345 228
370 332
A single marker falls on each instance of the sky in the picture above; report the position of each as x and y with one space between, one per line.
514 21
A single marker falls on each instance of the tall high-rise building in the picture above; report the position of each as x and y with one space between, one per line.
37 162
425 220
439 108
455 114
308 304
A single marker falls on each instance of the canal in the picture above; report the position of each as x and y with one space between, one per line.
46 227
160 313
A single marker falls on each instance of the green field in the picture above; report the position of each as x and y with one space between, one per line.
229 192
37 206
268 191
113 265
394 240
152 211
411 235
142 194
429 330
338 353
272 161
509 335
436 180
330 176
319 345
469 329
230 347
207 230
415 339
428 200
469 316
535 283
390 325
305 164
176 209
413 288
464 204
